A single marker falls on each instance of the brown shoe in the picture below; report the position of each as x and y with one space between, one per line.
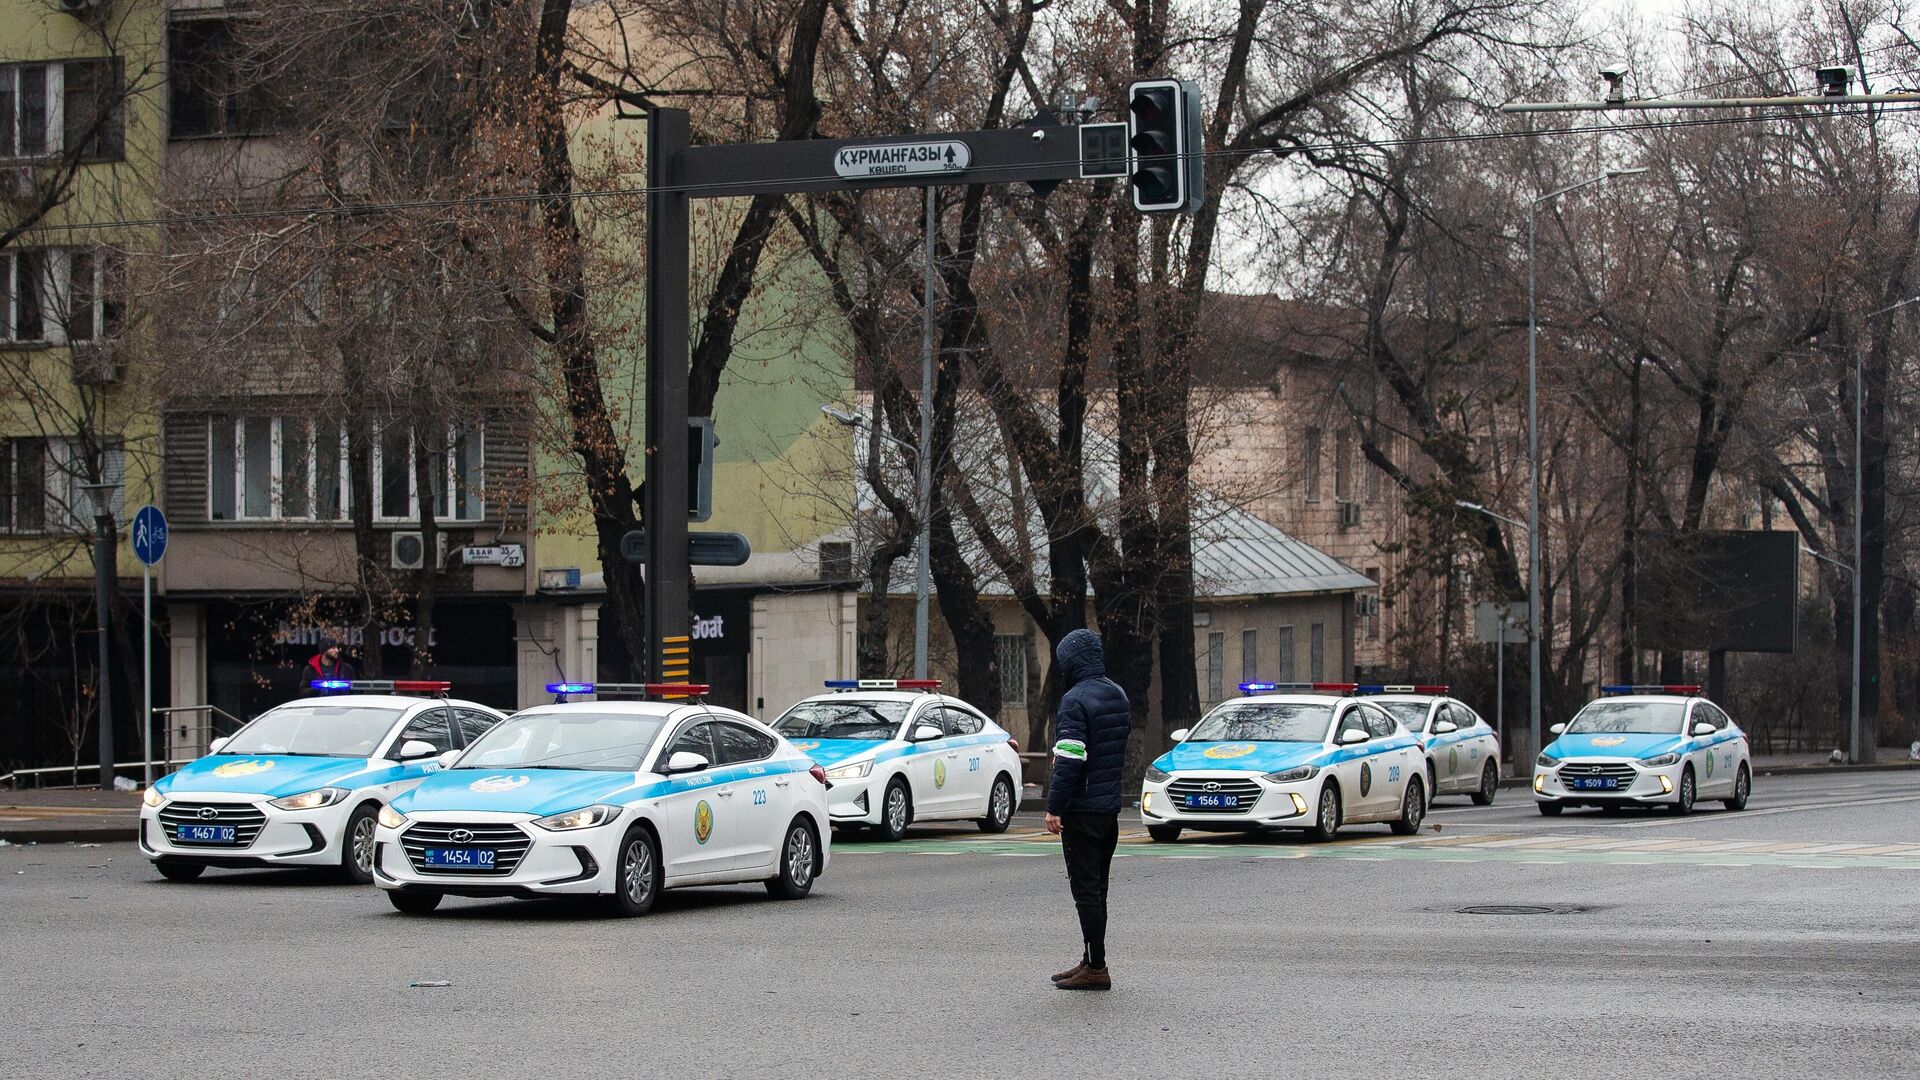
1088 979
1071 972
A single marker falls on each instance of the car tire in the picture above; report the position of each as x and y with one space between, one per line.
1326 821
999 806
1433 785
895 816
357 850
1742 788
1550 809
1413 809
637 874
413 901
799 861
175 870
1489 784
1165 834
1684 798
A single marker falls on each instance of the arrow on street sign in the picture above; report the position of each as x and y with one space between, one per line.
703 549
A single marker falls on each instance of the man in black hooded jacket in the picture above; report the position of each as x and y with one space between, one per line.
1083 801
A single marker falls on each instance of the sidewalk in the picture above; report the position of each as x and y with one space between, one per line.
56 815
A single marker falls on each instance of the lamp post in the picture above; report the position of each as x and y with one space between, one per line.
1534 629
1500 655
101 496
922 580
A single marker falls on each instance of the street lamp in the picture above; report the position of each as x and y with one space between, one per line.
101 497
923 580
1533 449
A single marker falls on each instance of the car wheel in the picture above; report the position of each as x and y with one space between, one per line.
896 810
1166 834
1684 803
1489 785
1433 786
799 857
999 807
1326 823
1413 808
1742 787
175 870
356 846
413 902
1550 809
637 874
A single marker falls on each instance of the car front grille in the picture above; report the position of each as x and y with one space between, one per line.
247 821
509 841
1247 791
1581 770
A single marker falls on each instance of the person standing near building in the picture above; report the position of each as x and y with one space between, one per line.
1084 798
328 663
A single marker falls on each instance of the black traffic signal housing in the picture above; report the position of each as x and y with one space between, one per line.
1164 146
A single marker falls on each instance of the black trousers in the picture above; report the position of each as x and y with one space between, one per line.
1088 841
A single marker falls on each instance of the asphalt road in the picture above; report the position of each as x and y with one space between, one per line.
1779 942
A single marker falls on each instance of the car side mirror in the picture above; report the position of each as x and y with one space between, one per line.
414 749
1704 728
685 761
215 746
1181 734
1558 729
447 759
927 732
1350 736
1445 727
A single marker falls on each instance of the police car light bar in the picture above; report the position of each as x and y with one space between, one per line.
393 686
666 690
883 684
1273 687
1426 688
1670 689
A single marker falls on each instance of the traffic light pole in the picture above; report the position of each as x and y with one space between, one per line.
669 577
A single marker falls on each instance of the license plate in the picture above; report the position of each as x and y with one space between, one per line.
1595 783
1213 802
471 858
205 834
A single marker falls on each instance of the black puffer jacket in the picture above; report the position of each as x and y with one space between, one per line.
1090 731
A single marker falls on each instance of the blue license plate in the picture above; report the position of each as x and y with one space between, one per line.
205 834
1213 802
1595 783
468 858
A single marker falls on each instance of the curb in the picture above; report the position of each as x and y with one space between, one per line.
82 834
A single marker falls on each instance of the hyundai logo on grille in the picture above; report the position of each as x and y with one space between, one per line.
208 813
1213 787
461 836
1595 770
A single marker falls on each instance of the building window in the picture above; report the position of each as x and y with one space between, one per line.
1010 651
288 468
1373 617
1370 473
1310 465
1287 671
43 485
1249 655
48 109
29 109
1317 652
1342 465
1216 659
208 94
50 296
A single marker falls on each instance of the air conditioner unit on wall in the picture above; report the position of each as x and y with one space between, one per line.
89 11
408 550
1349 514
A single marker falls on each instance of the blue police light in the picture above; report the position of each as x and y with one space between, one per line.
332 684
1258 687
569 688
843 684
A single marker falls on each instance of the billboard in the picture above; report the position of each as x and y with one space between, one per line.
1718 591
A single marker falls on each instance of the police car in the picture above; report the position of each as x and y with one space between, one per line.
612 798
1645 746
1463 752
301 784
896 753
1288 756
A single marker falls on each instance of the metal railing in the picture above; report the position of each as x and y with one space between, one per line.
196 736
181 744
129 769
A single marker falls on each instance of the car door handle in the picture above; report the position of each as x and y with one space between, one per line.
781 783
724 794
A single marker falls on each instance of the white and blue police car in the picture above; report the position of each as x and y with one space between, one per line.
1463 750
301 784
618 799
1645 746
896 753
1288 756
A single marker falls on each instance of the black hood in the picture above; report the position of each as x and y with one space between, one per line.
1081 656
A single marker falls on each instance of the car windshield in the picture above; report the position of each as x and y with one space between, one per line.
842 719
1411 714
601 742
315 731
1280 721
1629 717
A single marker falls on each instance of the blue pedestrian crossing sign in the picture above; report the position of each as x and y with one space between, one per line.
149 534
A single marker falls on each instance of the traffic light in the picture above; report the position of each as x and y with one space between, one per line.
1163 140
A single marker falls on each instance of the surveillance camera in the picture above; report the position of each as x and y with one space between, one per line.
1835 81
1614 72
1616 77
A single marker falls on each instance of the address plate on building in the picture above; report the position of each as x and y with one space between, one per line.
495 555
902 159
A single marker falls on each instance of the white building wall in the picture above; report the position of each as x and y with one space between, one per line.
800 640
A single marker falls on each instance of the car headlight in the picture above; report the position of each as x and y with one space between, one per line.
391 818
1660 762
153 797
313 800
850 772
1546 762
1292 776
1157 776
585 818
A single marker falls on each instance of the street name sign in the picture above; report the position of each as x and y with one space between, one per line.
902 159
494 555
